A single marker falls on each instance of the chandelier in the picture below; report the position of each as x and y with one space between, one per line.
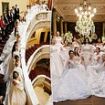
85 24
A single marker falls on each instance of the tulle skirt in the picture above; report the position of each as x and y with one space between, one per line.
72 85
96 80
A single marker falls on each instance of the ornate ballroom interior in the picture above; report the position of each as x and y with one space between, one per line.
64 17
64 20
34 39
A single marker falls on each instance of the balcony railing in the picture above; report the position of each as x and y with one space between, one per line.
43 50
41 19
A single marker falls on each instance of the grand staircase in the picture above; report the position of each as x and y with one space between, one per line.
39 20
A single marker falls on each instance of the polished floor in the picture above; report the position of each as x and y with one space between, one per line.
90 101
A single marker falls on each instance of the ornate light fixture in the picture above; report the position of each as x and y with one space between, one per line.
85 13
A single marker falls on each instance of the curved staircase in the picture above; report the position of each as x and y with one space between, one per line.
30 27
30 51
40 69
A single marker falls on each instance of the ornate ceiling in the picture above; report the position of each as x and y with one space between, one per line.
66 9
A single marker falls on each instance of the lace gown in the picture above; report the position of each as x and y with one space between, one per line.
72 84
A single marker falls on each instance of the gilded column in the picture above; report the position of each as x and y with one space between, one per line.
54 23
61 22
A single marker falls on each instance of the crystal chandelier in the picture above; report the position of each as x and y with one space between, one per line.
85 24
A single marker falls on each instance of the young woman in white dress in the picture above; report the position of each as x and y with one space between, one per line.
96 56
87 52
58 40
16 94
73 83
9 61
96 78
15 51
55 60
101 78
75 43
64 52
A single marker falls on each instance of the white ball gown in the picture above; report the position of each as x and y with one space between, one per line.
72 84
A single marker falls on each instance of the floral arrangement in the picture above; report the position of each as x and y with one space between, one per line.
68 37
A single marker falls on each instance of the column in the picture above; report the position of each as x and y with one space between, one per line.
61 22
65 24
103 28
54 23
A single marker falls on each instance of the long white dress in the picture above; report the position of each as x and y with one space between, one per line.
96 79
16 93
8 46
55 57
55 63
9 64
72 84
64 53
87 51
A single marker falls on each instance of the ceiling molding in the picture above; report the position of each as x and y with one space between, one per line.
66 9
